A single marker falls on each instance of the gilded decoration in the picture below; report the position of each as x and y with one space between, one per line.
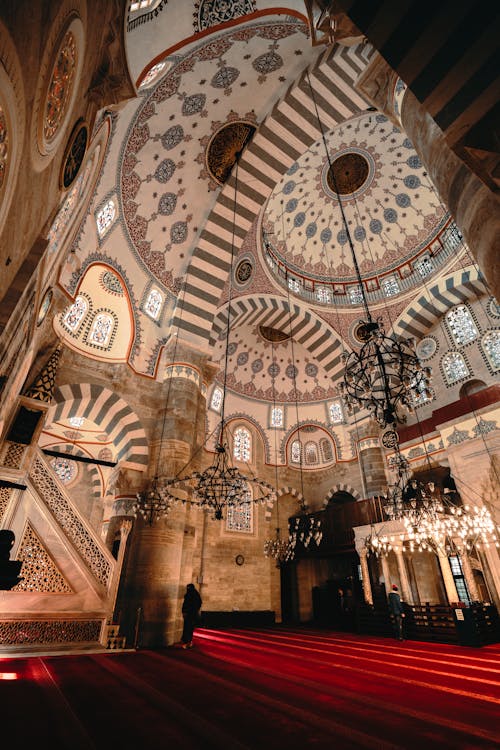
225 147
60 86
348 173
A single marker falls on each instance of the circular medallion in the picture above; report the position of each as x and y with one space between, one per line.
390 439
44 307
243 271
74 154
426 348
239 559
347 173
225 147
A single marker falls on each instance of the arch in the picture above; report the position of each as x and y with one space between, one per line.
111 413
307 328
343 489
470 387
279 141
422 314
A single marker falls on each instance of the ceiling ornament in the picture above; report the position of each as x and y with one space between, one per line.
224 145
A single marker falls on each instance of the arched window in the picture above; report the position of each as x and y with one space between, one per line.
153 304
216 402
355 295
242 447
105 217
454 367
295 452
323 295
335 412
101 330
74 315
491 346
311 453
462 326
277 417
326 449
240 517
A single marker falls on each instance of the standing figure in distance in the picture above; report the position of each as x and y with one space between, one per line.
397 611
191 606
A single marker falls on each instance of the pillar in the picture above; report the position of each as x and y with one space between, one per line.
371 460
160 559
403 577
365 573
468 575
449 581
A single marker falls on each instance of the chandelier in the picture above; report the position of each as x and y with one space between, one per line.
304 529
154 503
384 376
221 486
278 548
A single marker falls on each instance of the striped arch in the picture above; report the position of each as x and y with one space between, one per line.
341 488
294 493
111 413
423 313
271 310
96 477
281 139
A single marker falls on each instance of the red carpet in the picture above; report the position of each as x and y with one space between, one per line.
276 688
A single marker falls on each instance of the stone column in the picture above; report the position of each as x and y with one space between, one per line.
371 461
468 575
403 577
160 560
449 581
365 572
475 208
386 572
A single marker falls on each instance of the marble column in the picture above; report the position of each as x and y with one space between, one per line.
365 573
475 208
403 577
386 572
449 581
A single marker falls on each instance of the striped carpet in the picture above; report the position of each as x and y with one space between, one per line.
273 689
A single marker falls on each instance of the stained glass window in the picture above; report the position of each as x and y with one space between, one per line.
76 421
355 295
326 449
454 367
311 453
152 74
293 285
424 266
323 295
390 286
65 469
240 517
153 304
102 327
105 217
335 411
216 402
75 313
61 82
277 417
295 452
242 449
422 393
491 346
462 326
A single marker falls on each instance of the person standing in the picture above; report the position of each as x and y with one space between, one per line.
191 606
397 611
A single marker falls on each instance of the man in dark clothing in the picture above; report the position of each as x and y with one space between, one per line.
191 606
397 611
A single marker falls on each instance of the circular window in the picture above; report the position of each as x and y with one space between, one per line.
44 307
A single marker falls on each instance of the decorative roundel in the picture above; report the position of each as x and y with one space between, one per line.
348 173
44 307
390 439
74 154
65 469
426 348
244 271
239 559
